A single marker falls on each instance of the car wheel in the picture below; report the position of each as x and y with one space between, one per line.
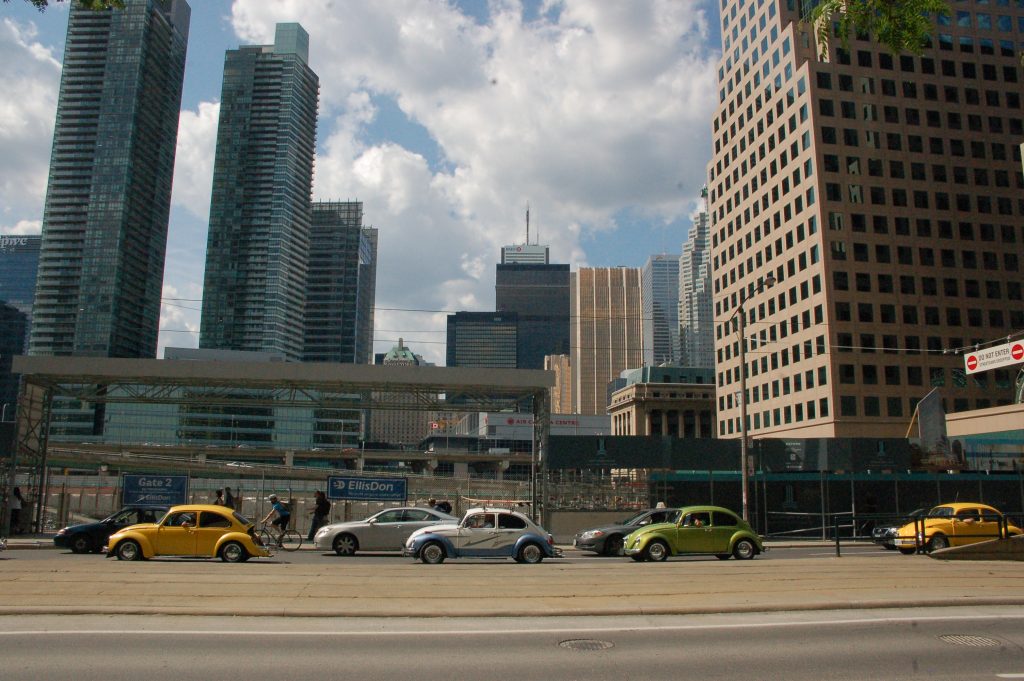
937 542
656 551
81 543
129 550
433 553
531 554
346 545
906 552
233 552
723 556
638 557
613 545
744 549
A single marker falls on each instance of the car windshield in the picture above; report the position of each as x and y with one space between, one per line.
941 511
635 520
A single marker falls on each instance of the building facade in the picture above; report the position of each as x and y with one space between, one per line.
19 262
659 282
539 296
398 427
482 339
668 401
696 320
867 221
254 294
101 261
605 332
561 393
341 285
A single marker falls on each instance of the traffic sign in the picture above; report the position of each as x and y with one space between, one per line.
995 357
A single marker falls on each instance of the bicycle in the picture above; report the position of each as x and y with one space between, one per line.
291 540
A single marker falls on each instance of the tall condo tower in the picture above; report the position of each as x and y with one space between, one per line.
341 286
696 324
659 281
605 332
101 262
254 296
867 220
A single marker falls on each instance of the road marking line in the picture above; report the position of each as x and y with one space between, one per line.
492 632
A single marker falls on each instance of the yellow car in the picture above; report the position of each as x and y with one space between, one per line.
193 530
952 525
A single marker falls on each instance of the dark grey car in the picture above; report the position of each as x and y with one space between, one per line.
607 539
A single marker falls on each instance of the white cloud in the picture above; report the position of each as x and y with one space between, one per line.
193 163
594 108
30 83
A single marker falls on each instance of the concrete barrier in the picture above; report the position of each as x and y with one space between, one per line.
996 549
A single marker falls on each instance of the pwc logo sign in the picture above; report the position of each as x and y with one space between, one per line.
995 357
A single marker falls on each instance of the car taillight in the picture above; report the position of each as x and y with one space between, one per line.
551 540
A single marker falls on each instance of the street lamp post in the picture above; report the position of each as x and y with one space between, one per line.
741 312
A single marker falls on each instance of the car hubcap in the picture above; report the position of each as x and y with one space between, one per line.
432 553
657 551
129 551
531 553
744 549
345 546
233 552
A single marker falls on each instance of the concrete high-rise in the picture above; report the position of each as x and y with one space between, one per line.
866 219
605 332
538 293
696 323
101 263
341 285
659 283
254 295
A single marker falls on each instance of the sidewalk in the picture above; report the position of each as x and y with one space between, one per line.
351 587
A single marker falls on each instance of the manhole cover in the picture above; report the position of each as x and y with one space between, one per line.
586 644
975 641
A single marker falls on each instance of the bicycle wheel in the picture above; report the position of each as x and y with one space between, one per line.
267 540
291 540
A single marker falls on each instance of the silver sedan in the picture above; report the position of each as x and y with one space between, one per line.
384 531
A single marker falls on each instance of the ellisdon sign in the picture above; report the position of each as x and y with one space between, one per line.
366 489
994 357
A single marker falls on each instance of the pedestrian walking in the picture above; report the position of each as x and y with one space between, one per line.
218 499
320 512
16 503
229 498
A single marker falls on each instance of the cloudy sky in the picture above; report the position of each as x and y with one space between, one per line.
445 119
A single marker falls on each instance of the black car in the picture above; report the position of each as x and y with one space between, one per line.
885 535
93 536
607 539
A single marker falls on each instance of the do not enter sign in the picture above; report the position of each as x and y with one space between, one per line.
994 357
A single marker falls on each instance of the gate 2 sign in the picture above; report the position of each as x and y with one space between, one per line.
994 357
366 489
155 490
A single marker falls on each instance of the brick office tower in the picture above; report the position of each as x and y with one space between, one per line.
108 200
866 218
254 293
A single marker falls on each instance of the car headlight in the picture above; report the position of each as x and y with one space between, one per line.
592 534
62 532
321 532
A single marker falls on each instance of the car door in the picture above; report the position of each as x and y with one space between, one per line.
693 533
477 535
177 535
212 526
723 527
510 529
382 532
972 525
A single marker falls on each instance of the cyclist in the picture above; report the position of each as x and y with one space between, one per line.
283 516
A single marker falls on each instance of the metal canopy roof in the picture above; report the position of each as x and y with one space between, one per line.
351 386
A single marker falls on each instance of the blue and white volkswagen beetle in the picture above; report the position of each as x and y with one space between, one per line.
483 533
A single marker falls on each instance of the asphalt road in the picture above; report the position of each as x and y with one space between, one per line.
937 644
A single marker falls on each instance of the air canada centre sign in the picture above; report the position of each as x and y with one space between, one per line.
995 357
350 488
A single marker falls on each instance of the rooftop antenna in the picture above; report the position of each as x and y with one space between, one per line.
527 223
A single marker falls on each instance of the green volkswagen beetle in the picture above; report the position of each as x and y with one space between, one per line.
700 529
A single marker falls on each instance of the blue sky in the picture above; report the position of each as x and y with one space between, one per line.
445 119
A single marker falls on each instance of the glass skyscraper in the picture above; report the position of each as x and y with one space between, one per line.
539 295
341 285
696 325
482 340
101 263
255 284
659 281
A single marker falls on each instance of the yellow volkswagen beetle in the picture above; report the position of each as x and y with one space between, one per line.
193 530
948 525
